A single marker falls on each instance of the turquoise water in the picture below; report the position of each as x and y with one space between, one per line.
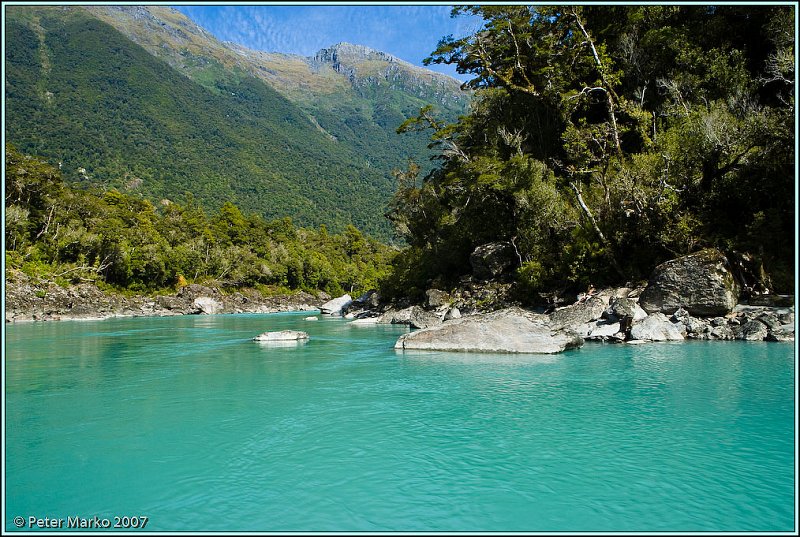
187 421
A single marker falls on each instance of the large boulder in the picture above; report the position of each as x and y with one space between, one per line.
504 331
490 260
656 327
336 306
701 283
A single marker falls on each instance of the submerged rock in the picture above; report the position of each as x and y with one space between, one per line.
505 331
701 283
282 335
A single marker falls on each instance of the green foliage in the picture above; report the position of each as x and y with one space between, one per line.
605 139
108 113
64 234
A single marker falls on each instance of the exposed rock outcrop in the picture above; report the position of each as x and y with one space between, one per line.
505 331
206 305
701 283
337 306
656 327
282 335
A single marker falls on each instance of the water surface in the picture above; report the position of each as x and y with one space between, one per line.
189 422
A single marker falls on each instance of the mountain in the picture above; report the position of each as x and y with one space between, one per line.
143 100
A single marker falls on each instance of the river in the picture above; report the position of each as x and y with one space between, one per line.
186 421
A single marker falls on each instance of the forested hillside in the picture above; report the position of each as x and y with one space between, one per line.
68 235
606 139
109 113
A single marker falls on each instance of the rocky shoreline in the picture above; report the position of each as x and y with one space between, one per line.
694 297
28 300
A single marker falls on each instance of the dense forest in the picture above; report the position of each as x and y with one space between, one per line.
603 140
107 112
124 243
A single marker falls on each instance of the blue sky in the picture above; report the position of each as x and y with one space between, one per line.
410 32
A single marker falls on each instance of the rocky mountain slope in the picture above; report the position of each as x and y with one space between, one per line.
142 99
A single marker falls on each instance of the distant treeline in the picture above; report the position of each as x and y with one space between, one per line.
70 235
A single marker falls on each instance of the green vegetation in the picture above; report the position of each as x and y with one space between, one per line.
72 235
108 113
606 139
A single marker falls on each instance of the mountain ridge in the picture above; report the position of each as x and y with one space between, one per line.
322 152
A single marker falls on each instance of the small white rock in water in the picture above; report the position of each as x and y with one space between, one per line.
283 335
311 319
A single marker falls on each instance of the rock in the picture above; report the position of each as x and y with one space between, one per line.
452 313
783 333
510 331
656 327
619 308
490 260
206 305
420 318
752 331
578 314
435 298
721 332
311 319
605 331
392 316
701 283
369 300
336 306
770 319
282 335
786 317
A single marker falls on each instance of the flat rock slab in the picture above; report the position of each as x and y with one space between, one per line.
504 331
282 335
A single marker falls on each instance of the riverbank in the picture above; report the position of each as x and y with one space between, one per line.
29 300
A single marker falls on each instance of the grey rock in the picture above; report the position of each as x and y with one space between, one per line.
504 331
420 318
656 327
393 316
206 305
786 318
579 313
770 319
336 306
783 333
752 331
701 283
619 308
452 313
721 332
435 298
492 259
282 335
369 300
605 331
